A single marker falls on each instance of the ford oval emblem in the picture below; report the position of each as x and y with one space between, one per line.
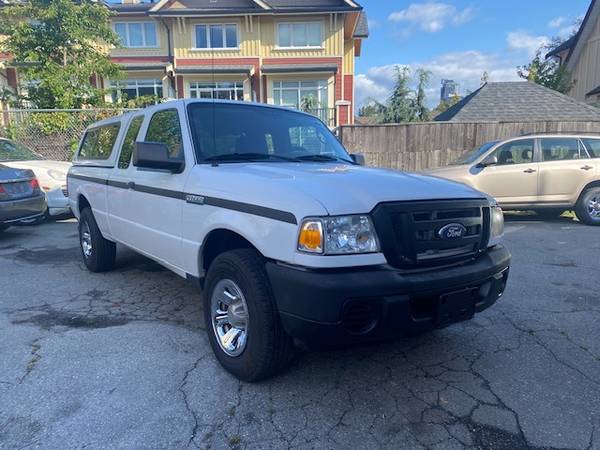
452 231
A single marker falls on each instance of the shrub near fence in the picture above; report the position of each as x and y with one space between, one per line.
53 134
419 146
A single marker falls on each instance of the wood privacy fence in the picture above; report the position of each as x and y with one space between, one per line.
418 146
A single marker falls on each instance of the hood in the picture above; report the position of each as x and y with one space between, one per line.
339 188
41 168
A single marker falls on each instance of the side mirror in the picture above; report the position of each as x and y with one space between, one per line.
358 159
490 160
155 155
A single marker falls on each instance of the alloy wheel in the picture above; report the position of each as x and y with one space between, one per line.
229 313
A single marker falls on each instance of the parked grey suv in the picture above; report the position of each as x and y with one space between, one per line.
20 196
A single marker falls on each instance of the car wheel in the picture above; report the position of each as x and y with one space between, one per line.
587 209
242 320
98 253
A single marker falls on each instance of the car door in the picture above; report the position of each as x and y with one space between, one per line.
154 210
514 179
119 194
565 167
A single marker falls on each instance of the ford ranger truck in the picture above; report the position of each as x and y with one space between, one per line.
294 243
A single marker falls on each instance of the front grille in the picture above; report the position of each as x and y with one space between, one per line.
65 191
410 231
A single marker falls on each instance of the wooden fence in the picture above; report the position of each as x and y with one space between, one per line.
418 146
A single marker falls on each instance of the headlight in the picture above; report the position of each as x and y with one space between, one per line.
497 224
340 235
57 175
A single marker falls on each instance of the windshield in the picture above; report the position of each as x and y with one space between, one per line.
473 155
224 132
13 151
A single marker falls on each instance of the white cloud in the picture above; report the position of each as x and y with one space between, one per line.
466 68
432 16
525 42
557 22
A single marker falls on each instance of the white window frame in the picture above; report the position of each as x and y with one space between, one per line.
238 86
144 45
224 33
296 47
322 91
134 83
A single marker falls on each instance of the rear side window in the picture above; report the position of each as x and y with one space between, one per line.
515 152
98 142
164 127
562 149
129 141
593 147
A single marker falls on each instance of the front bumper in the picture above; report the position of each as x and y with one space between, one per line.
25 208
322 309
58 203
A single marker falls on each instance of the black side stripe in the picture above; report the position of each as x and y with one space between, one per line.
248 208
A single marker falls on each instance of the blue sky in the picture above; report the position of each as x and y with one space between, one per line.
457 39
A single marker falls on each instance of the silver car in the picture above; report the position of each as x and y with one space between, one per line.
546 173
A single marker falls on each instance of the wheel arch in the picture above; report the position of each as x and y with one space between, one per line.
82 203
592 184
218 241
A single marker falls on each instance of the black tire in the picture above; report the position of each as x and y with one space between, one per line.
582 209
268 349
549 213
101 256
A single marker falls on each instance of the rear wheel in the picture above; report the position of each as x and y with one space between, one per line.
242 320
98 253
588 207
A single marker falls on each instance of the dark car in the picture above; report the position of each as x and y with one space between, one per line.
20 196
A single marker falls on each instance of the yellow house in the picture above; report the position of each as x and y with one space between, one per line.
296 53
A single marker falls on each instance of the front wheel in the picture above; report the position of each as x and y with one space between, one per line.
588 207
98 253
242 320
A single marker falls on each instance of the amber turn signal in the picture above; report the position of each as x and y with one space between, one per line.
311 237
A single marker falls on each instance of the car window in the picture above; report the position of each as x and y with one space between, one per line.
515 152
593 147
13 151
561 149
98 142
129 141
164 127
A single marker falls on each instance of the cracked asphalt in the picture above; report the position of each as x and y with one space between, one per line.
120 360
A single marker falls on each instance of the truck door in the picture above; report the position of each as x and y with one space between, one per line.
152 215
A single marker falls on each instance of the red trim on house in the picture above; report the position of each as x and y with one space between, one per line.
11 78
138 59
349 94
343 115
180 88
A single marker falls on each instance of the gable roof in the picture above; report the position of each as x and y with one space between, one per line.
517 101
362 26
573 44
214 7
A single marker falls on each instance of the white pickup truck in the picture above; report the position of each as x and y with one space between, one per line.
294 243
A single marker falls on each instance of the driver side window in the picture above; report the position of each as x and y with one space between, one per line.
516 152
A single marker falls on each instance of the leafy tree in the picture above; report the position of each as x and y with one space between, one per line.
547 72
58 46
400 106
443 106
422 111
373 111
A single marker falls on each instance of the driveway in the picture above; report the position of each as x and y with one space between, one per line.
120 360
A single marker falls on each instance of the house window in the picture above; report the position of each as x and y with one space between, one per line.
137 34
222 90
216 35
307 95
300 35
130 89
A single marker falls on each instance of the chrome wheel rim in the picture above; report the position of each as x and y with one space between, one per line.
86 240
594 207
229 314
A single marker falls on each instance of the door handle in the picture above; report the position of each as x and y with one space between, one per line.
586 167
131 185
530 171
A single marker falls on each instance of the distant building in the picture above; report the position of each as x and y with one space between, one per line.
449 90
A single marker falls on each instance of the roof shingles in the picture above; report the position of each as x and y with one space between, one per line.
517 101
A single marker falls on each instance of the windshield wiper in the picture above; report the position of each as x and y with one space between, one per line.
321 157
247 157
